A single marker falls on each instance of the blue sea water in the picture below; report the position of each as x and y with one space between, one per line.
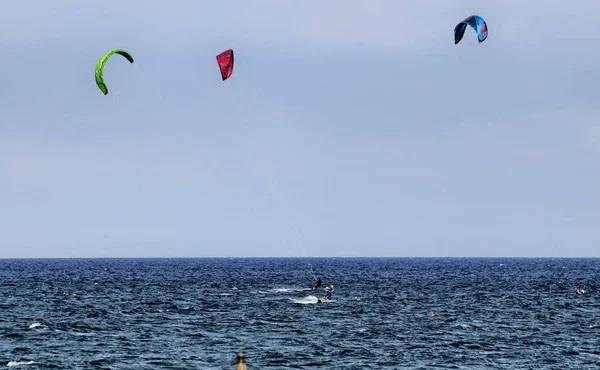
197 313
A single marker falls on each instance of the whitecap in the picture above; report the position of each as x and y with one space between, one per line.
18 363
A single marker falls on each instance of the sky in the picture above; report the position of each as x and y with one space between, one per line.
349 128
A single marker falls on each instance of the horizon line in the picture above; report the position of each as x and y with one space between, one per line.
330 257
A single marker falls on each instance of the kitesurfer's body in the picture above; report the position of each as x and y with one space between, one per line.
318 283
328 292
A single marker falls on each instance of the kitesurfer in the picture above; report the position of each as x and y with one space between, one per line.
328 292
318 283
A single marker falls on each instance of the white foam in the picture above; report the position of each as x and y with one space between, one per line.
19 363
35 325
283 290
306 300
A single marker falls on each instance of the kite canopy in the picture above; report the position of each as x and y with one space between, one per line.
477 23
225 60
102 62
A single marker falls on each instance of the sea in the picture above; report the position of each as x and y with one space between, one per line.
386 313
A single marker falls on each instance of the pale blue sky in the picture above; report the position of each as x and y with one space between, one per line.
358 122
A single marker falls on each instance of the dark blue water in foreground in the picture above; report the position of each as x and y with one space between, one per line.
197 313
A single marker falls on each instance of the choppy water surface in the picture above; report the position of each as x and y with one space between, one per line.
197 313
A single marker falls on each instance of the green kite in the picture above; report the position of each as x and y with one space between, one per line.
102 62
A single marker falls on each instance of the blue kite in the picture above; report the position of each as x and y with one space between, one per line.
477 23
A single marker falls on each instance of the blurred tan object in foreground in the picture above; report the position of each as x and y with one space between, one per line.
241 361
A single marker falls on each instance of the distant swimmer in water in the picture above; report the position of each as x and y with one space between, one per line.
580 291
328 292
318 283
